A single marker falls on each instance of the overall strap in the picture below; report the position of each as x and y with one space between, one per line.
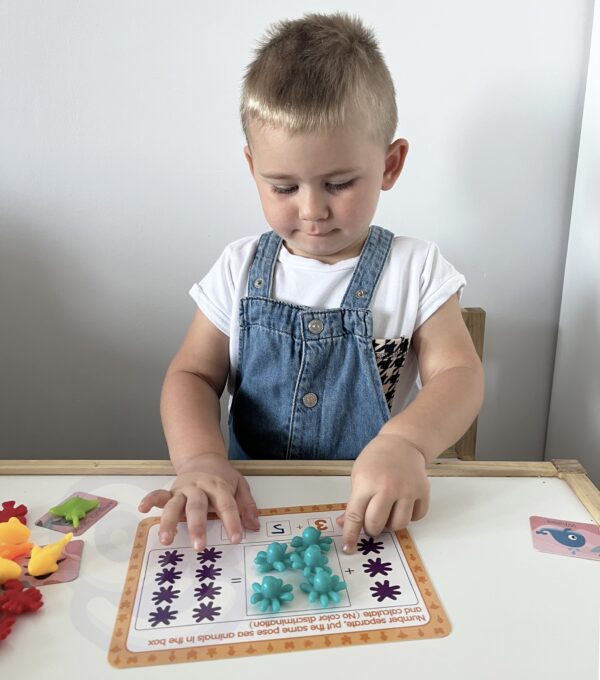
369 268
260 277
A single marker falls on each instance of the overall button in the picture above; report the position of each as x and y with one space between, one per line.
310 399
315 326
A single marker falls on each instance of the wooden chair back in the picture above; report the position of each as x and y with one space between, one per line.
464 449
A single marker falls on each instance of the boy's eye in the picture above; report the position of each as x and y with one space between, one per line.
331 187
283 190
341 186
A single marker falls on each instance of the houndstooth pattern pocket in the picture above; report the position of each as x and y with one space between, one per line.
390 356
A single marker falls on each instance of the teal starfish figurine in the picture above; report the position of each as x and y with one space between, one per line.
74 509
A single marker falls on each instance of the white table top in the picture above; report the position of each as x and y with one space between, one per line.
515 612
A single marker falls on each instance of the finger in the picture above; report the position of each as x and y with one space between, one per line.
353 521
170 517
196 511
340 520
155 499
420 508
377 514
247 505
401 514
226 507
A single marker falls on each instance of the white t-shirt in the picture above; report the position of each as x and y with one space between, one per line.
415 282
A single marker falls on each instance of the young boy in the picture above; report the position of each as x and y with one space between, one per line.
322 326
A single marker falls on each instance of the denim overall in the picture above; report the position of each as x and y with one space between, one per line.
307 384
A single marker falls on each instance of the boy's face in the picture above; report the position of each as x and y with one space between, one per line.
319 191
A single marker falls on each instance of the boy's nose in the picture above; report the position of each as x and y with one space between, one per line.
313 206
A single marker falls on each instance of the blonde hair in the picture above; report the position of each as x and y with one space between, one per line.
313 73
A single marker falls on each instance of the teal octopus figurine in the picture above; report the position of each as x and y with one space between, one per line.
309 561
273 558
311 536
272 592
323 587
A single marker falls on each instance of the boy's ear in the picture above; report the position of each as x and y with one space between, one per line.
248 155
394 161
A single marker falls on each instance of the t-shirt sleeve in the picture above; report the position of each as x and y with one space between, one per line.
214 293
439 281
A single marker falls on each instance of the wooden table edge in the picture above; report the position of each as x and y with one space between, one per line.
569 470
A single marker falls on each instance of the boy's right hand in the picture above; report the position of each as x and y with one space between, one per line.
207 479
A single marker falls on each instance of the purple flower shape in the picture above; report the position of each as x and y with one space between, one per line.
369 545
208 571
206 611
162 615
165 595
376 567
208 590
167 576
384 591
209 555
170 557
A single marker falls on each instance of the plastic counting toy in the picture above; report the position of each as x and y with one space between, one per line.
13 531
310 560
272 592
273 558
311 536
18 600
14 601
6 624
43 560
11 509
13 539
9 570
324 587
74 509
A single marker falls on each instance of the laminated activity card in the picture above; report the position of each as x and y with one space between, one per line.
182 605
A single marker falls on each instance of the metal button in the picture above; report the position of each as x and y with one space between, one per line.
310 399
258 283
315 326
359 293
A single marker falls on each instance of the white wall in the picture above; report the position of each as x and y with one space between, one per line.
574 421
122 177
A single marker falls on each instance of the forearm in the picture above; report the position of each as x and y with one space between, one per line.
442 411
191 415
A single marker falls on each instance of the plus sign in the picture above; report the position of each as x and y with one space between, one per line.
350 571
299 526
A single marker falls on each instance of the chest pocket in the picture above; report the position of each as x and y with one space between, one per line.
390 356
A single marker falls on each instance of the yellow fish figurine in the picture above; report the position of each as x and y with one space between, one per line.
13 532
43 560
13 539
9 570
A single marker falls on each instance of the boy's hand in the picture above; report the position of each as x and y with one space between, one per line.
389 488
209 478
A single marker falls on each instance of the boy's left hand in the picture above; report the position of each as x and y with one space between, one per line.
389 489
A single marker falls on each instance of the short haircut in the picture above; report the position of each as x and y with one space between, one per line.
311 74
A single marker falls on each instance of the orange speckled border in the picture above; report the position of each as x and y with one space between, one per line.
120 657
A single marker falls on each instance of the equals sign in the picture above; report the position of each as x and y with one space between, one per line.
236 580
